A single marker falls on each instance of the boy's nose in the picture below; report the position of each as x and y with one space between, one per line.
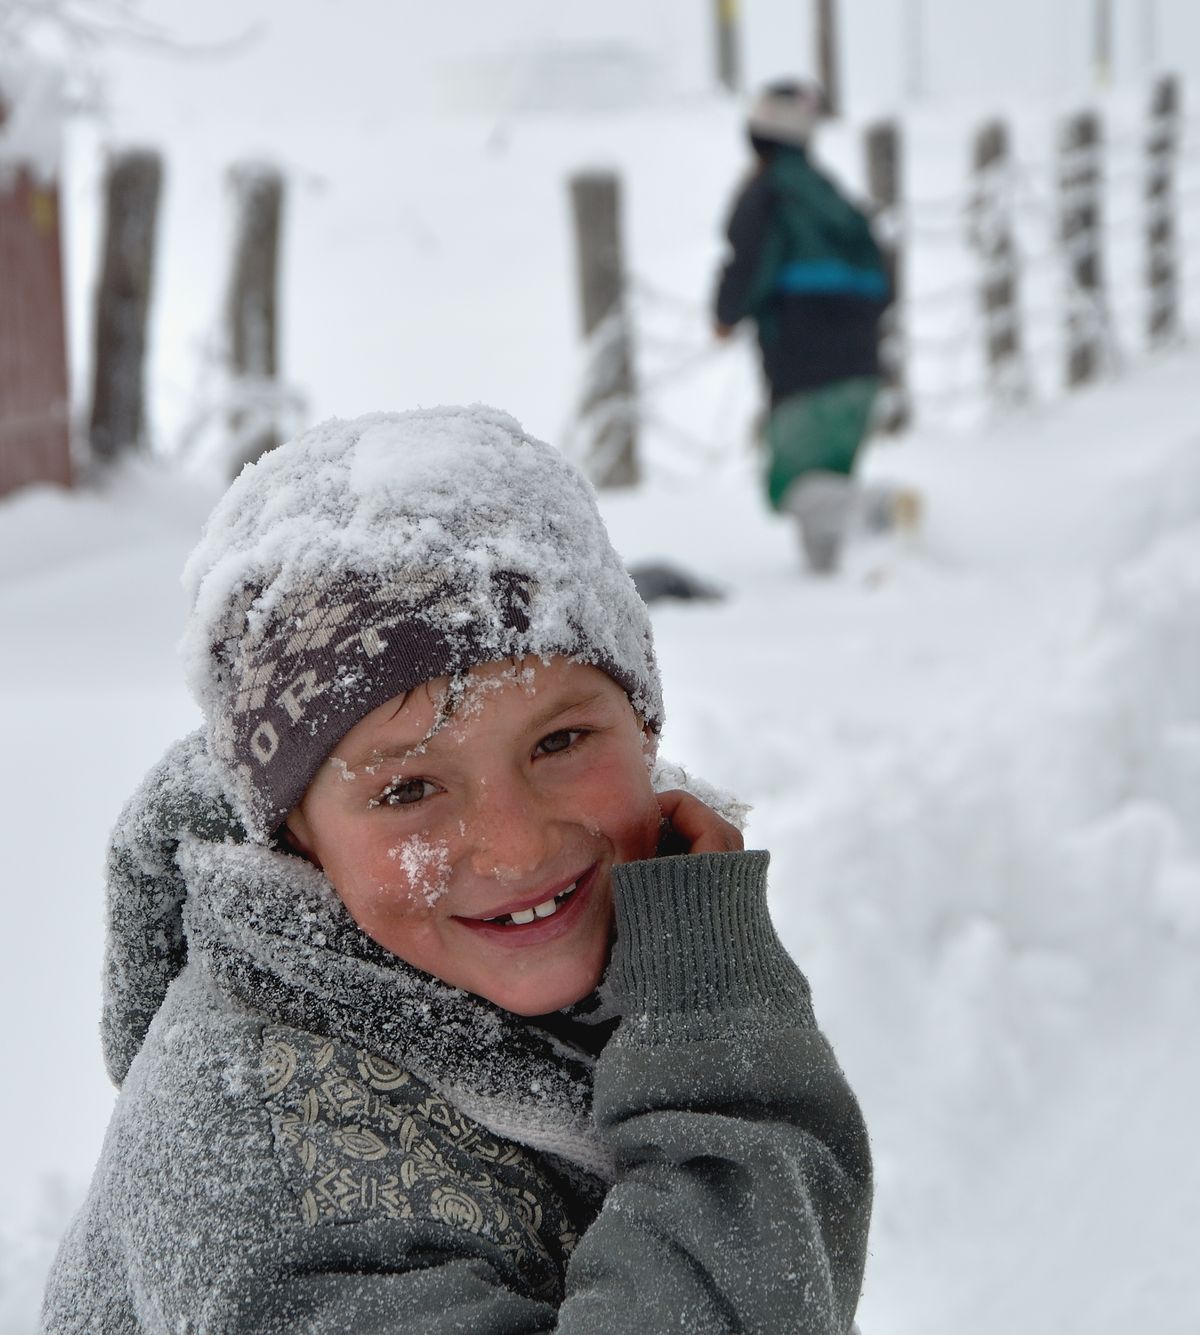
510 836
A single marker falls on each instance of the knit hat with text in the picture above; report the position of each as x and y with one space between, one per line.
368 556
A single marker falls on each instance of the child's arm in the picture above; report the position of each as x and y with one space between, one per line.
747 277
745 1180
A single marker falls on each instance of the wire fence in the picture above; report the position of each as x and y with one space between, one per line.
1064 257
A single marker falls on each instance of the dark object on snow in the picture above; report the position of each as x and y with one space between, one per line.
658 579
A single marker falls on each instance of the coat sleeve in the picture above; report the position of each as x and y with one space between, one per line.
746 279
744 1192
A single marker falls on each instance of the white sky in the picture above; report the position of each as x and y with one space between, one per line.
319 57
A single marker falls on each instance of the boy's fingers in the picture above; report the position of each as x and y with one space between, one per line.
698 826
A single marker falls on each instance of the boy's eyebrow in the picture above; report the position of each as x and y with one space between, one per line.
401 751
395 752
564 706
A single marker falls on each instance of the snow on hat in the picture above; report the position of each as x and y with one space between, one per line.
786 113
368 556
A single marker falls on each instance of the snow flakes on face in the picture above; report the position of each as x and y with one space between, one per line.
464 695
426 863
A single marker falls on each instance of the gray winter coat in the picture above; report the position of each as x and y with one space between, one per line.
313 1136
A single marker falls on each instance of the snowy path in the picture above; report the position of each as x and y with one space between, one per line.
976 763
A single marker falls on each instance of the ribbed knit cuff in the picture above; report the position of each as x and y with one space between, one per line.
694 938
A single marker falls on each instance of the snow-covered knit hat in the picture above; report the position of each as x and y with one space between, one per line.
786 113
368 556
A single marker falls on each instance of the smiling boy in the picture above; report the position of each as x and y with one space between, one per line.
429 1012
481 851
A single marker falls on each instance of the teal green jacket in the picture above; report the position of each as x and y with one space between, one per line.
805 266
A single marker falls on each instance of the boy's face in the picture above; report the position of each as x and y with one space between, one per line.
443 840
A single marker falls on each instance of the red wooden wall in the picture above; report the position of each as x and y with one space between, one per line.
34 402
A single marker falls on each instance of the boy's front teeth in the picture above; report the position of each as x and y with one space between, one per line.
522 916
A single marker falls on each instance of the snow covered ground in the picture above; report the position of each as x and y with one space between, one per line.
975 758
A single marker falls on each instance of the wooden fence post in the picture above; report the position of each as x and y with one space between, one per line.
991 230
608 412
884 185
728 62
1102 41
35 438
1162 248
252 312
828 66
1081 236
122 302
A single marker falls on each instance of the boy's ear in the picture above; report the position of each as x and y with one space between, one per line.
649 741
296 837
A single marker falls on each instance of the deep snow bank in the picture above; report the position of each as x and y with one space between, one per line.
1003 928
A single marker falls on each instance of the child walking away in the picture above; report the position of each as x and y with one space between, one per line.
806 269
428 1011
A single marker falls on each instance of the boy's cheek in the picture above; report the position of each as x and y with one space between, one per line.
646 844
380 894
397 920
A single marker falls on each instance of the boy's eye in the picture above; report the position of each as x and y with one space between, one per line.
404 793
559 741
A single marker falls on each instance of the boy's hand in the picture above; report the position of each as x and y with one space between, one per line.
691 827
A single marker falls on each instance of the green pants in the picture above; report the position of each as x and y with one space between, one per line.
820 430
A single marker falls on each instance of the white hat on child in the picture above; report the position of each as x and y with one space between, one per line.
365 557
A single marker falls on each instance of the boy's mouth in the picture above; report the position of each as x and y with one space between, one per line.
543 920
547 909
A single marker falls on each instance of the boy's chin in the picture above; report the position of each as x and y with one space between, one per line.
546 998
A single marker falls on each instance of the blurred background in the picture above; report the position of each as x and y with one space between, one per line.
974 753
